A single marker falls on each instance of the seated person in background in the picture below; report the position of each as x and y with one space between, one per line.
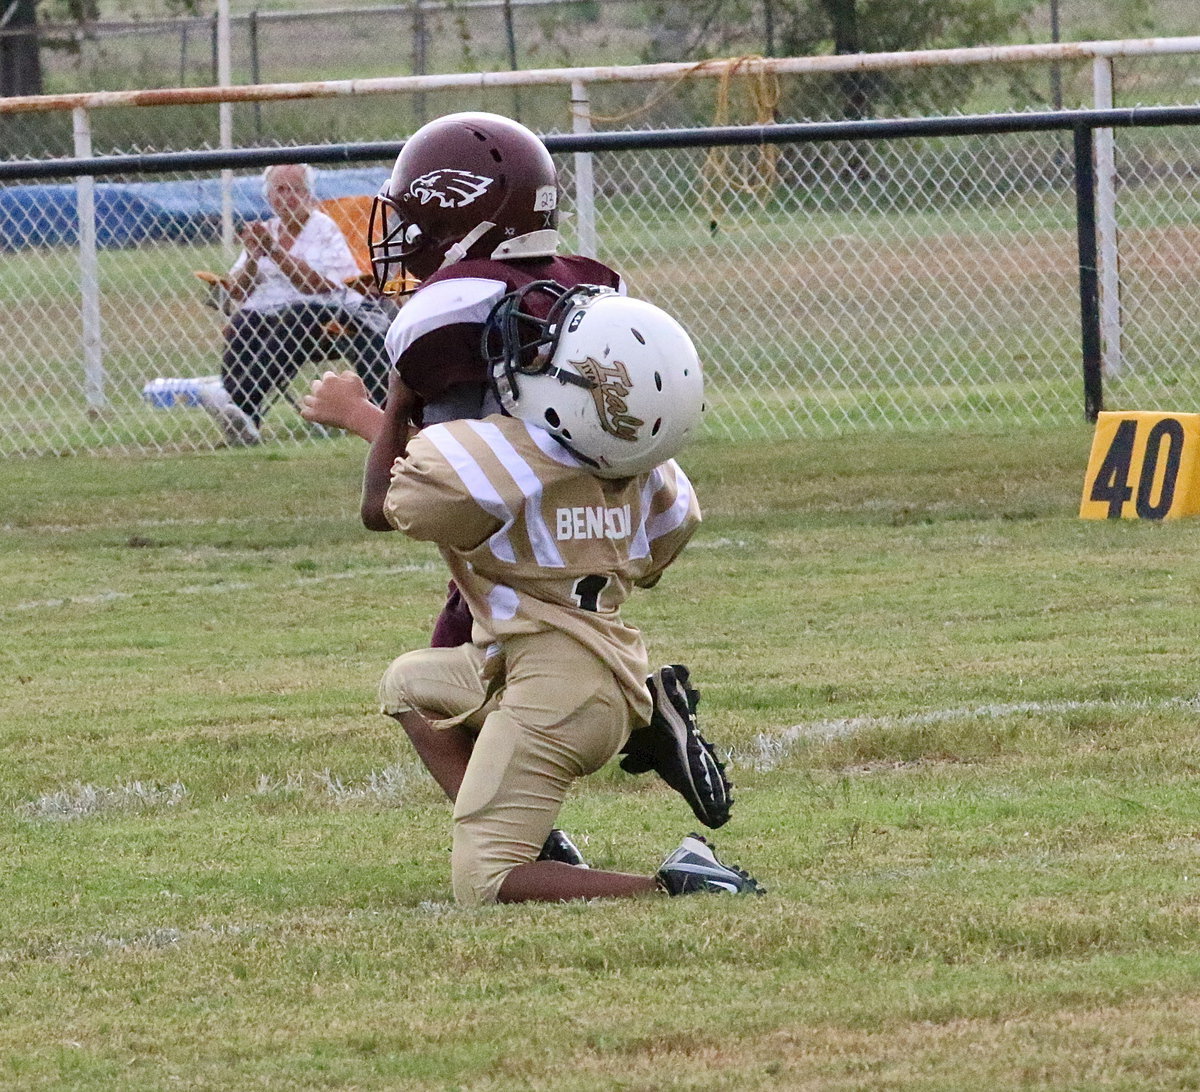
288 284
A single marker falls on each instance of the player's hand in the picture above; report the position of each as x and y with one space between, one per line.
335 399
256 237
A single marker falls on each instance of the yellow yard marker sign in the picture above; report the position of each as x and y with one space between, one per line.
1143 466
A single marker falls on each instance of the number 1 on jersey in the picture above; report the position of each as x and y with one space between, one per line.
587 591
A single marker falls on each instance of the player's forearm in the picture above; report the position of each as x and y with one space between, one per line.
376 479
366 420
388 445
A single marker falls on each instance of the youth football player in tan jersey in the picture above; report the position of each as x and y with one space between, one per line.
547 515
470 209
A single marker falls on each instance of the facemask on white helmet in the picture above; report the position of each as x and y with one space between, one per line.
616 380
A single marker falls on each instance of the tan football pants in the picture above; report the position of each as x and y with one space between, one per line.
559 715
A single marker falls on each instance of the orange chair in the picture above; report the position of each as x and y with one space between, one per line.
352 215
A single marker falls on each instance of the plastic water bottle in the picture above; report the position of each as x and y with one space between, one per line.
168 393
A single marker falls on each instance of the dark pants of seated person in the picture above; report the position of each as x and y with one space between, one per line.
265 349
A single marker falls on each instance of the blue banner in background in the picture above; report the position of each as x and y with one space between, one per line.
129 213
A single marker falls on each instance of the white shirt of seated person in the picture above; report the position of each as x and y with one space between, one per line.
322 246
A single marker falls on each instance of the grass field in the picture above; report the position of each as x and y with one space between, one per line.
961 721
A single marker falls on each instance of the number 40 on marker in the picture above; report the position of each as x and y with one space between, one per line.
1143 466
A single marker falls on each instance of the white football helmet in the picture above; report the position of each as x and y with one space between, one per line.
615 380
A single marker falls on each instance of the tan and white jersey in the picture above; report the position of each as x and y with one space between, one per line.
535 541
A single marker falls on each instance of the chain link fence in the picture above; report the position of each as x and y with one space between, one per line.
831 287
1158 207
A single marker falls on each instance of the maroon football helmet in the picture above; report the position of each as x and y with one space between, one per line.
464 186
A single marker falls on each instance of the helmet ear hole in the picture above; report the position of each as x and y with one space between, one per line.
566 434
552 418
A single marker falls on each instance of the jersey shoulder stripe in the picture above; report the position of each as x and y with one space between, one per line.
477 484
446 303
503 470
531 487
551 448
672 489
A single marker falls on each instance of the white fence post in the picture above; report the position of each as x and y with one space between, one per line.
89 277
1106 222
225 123
585 181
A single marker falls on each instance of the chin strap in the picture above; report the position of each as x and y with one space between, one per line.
459 250
565 377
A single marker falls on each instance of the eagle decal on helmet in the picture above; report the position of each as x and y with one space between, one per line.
452 189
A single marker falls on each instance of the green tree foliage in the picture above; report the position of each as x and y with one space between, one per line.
881 26
700 29
694 29
26 34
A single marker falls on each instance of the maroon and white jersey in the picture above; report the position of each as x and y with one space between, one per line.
537 542
434 342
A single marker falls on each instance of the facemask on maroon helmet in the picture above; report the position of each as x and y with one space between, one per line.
470 185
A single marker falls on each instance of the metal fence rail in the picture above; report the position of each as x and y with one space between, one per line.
995 79
268 45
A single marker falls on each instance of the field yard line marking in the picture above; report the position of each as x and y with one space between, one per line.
165 521
388 786
769 750
217 589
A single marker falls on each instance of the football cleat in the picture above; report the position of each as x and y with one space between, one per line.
694 869
235 424
672 746
558 847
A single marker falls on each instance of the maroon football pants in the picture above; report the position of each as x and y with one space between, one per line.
453 626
